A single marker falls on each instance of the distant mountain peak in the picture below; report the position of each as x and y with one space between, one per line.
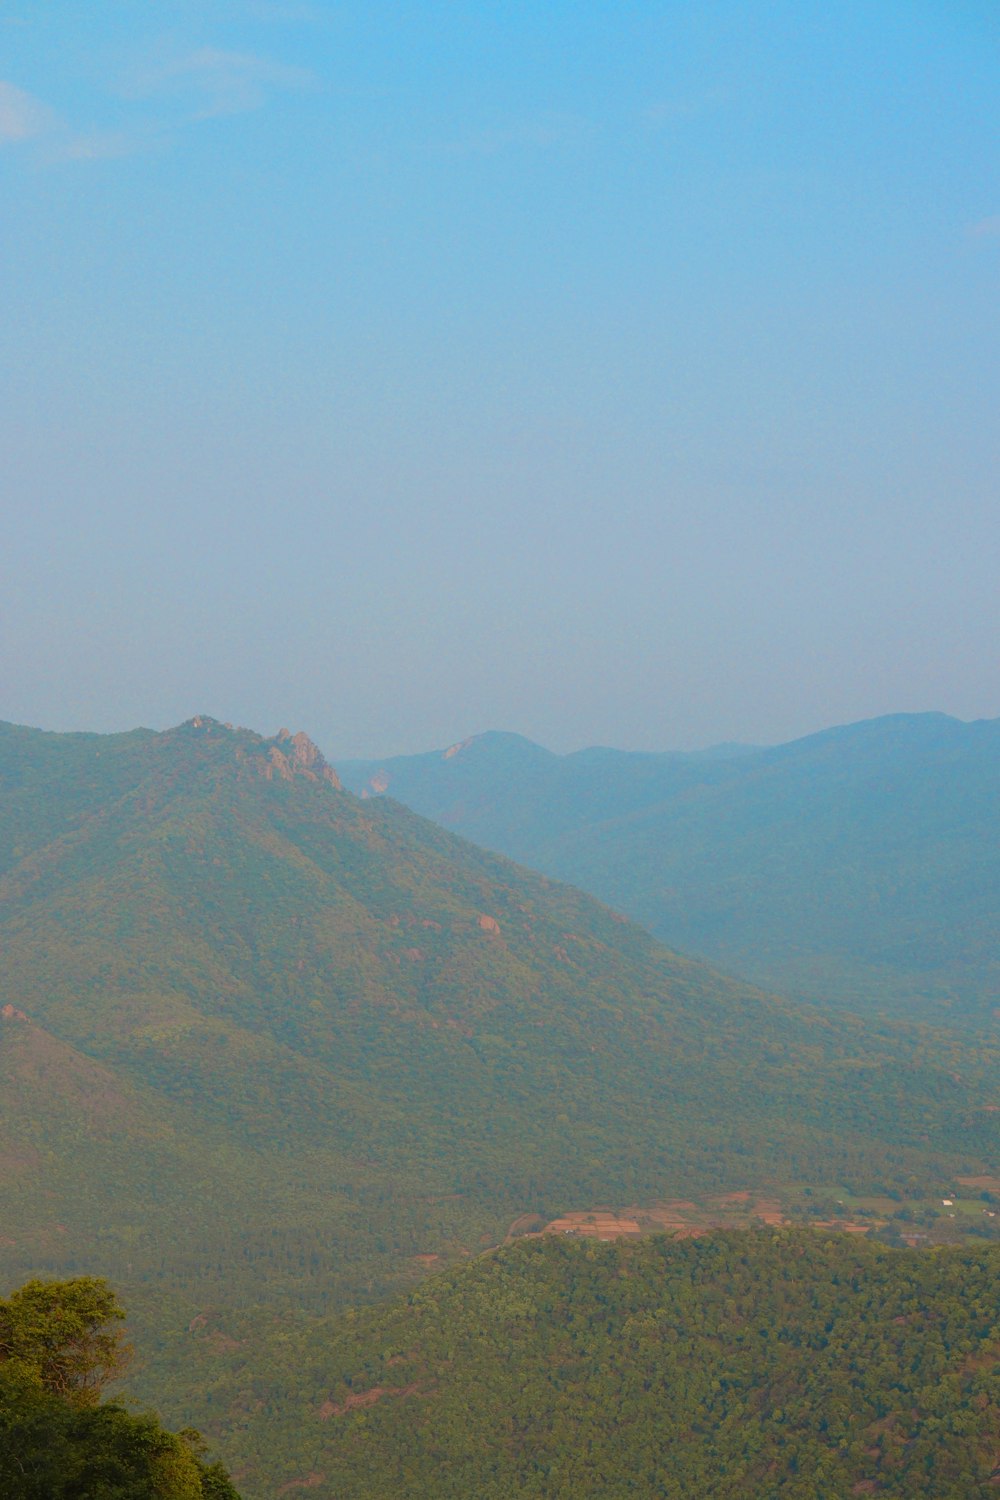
494 743
205 723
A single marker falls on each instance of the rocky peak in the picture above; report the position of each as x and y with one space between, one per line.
205 724
285 756
301 750
291 755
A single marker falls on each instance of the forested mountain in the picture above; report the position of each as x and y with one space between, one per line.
262 1042
791 1364
859 867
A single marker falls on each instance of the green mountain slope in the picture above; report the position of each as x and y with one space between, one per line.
860 866
792 1364
263 1044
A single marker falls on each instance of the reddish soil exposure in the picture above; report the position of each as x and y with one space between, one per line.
363 1398
679 1217
597 1225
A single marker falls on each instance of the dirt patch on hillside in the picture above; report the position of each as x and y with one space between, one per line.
361 1399
596 1225
680 1217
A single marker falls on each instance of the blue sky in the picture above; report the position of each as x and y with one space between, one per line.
612 373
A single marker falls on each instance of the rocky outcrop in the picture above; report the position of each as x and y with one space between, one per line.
285 756
305 758
290 755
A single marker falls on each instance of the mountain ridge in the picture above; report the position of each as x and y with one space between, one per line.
284 1048
857 865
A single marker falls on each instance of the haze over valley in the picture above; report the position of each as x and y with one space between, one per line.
857 867
509 1117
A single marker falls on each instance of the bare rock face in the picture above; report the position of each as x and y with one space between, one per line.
290 755
304 753
204 724
285 756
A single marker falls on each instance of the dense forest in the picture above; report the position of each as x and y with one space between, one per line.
788 1363
785 1363
60 1346
857 867
268 1051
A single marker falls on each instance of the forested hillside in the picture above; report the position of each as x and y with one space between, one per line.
858 867
265 1045
793 1364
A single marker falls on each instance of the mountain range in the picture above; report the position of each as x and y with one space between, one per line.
858 867
267 1046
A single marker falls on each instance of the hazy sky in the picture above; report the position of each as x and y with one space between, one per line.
611 372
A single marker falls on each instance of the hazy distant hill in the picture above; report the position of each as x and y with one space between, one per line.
264 1042
860 866
743 1365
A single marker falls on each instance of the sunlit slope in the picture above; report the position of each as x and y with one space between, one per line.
790 1364
860 866
333 1036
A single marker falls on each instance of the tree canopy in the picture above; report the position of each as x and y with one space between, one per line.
60 1345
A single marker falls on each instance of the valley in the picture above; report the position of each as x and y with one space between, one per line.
526 1117
271 1053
